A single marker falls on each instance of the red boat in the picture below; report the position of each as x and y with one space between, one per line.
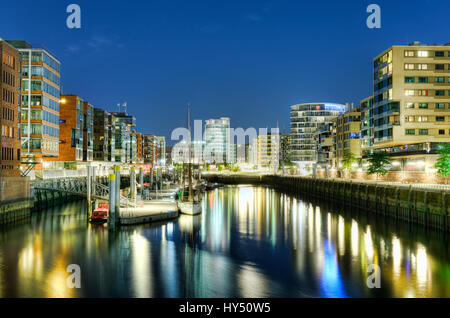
100 214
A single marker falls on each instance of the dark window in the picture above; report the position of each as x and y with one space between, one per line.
440 118
423 131
409 79
440 92
439 66
440 106
439 53
423 79
441 132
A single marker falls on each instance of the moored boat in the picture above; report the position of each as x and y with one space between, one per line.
101 213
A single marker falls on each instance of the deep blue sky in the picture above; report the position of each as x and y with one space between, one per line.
248 60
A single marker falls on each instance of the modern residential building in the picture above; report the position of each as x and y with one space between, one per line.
285 148
160 151
123 125
411 103
101 135
71 125
137 147
168 155
111 138
323 138
40 95
268 151
367 123
10 110
88 132
305 119
217 141
346 135
149 149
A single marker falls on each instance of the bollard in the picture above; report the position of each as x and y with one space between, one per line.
112 204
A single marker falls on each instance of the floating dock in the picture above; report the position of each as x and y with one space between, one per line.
148 212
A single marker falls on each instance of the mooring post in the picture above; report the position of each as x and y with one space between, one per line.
117 192
151 179
89 190
112 203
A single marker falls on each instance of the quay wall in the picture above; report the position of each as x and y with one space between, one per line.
15 199
427 208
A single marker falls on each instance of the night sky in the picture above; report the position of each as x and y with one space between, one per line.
247 60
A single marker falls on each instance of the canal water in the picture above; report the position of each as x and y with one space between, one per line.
248 242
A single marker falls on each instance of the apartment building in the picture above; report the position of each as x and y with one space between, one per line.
88 132
40 95
101 135
217 141
346 135
268 151
9 110
323 138
411 103
71 125
305 119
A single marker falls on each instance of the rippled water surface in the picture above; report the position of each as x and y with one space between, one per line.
248 242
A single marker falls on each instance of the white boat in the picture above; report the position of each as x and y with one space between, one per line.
190 208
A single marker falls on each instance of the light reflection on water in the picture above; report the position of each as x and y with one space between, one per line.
248 242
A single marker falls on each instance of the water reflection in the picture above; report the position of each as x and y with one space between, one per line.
248 242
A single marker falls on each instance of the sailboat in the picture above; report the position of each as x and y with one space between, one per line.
193 205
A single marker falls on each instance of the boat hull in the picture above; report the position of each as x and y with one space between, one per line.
190 208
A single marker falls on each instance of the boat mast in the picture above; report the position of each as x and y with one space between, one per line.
189 152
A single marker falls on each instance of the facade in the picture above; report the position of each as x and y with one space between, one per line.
324 140
367 123
346 135
285 148
305 119
411 105
268 151
40 95
149 149
138 147
88 132
101 135
9 117
71 125
111 138
160 151
123 125
217 141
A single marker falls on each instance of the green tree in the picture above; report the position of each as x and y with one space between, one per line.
348 161
236 168
443 162
378 162
219 167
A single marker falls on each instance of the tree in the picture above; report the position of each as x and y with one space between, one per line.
348 161
443 162
236 168
378 162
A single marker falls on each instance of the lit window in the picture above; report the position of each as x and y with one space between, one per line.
409 105
422 118
409 53
440 106
423 54
409 92
422 92
409 66
422 66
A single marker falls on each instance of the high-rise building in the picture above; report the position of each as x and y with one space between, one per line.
40 95
9 108
101 135
347 133
217 141
71 124
305 119
88 132
411 102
